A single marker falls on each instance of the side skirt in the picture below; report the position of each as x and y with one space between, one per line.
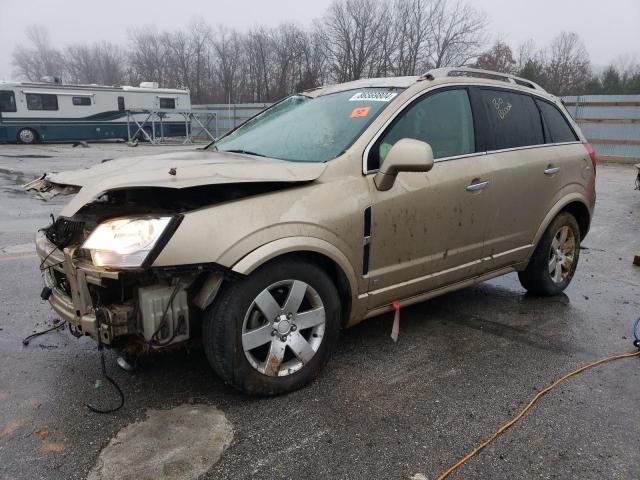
438 291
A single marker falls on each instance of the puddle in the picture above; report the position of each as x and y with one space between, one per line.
15 177
180 443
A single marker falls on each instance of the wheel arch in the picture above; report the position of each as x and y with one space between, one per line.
575 204
320 252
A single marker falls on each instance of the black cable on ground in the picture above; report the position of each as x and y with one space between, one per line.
28 338
112 382
103 367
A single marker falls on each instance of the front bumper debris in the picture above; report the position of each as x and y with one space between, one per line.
70 279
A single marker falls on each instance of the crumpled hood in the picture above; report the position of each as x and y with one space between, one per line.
170 170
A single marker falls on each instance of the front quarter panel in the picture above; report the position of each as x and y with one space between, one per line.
329 210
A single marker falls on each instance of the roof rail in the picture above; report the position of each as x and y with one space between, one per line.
477 72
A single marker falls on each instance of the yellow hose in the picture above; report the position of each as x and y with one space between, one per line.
522 412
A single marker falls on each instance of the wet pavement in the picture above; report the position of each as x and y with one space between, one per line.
464 364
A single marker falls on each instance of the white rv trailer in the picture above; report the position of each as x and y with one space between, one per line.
31 112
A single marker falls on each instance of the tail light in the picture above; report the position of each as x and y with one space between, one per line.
592 154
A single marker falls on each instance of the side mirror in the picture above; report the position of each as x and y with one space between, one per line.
407 155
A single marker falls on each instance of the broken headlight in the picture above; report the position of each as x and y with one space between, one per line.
126 242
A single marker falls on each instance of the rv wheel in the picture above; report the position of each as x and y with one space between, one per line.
27 136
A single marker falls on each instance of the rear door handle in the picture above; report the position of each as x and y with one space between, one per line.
551 170
477 186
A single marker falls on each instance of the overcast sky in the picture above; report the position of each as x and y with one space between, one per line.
609 28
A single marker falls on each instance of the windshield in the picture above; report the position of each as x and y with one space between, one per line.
308 129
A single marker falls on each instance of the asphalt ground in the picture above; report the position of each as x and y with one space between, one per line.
464 363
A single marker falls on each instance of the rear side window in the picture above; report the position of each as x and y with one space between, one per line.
81 101
7 101
558 128
511 119
42 101
442 119
167 103
121 104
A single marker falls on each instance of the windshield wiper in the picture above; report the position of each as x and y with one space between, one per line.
246 152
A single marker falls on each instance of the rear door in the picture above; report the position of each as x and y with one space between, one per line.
527 172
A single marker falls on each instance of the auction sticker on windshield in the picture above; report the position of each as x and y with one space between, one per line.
373 97
360 112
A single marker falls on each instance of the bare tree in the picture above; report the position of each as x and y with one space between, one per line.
411 24
39 59
149 53
498 58
458 33
351 30
200 40
101 63
228 64
568 67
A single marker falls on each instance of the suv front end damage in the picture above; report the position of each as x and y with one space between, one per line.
132 307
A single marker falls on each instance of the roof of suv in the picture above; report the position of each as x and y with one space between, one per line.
441 75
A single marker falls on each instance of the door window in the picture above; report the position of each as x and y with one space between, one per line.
511 119
121 104
42 101
7 101
557 128
443 120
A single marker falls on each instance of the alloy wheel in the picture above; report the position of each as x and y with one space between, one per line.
562 254
283 328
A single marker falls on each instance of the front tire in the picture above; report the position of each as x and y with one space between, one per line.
272 331
555 259
27 136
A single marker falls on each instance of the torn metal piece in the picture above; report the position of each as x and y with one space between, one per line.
46 190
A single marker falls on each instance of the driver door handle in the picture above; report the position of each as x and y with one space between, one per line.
477 186
551 170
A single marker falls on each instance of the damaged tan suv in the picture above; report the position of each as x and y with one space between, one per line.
318 213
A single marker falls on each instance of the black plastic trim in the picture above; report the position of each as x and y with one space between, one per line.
171 228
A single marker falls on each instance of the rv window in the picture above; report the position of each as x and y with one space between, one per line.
81 101
121 104
7 101
167 103
42 101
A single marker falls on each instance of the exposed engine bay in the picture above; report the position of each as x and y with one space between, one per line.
145 307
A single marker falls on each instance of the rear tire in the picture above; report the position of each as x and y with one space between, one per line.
27 136
555 259
262 347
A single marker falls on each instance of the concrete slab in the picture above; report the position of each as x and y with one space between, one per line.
180 443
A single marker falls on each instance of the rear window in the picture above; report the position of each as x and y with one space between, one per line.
7 101
167 103
557 126
42 101
511 119
81 101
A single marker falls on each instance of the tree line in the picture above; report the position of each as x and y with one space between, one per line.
353 39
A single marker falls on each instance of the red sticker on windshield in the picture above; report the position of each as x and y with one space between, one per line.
360 112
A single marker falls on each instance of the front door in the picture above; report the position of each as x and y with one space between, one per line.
428 229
